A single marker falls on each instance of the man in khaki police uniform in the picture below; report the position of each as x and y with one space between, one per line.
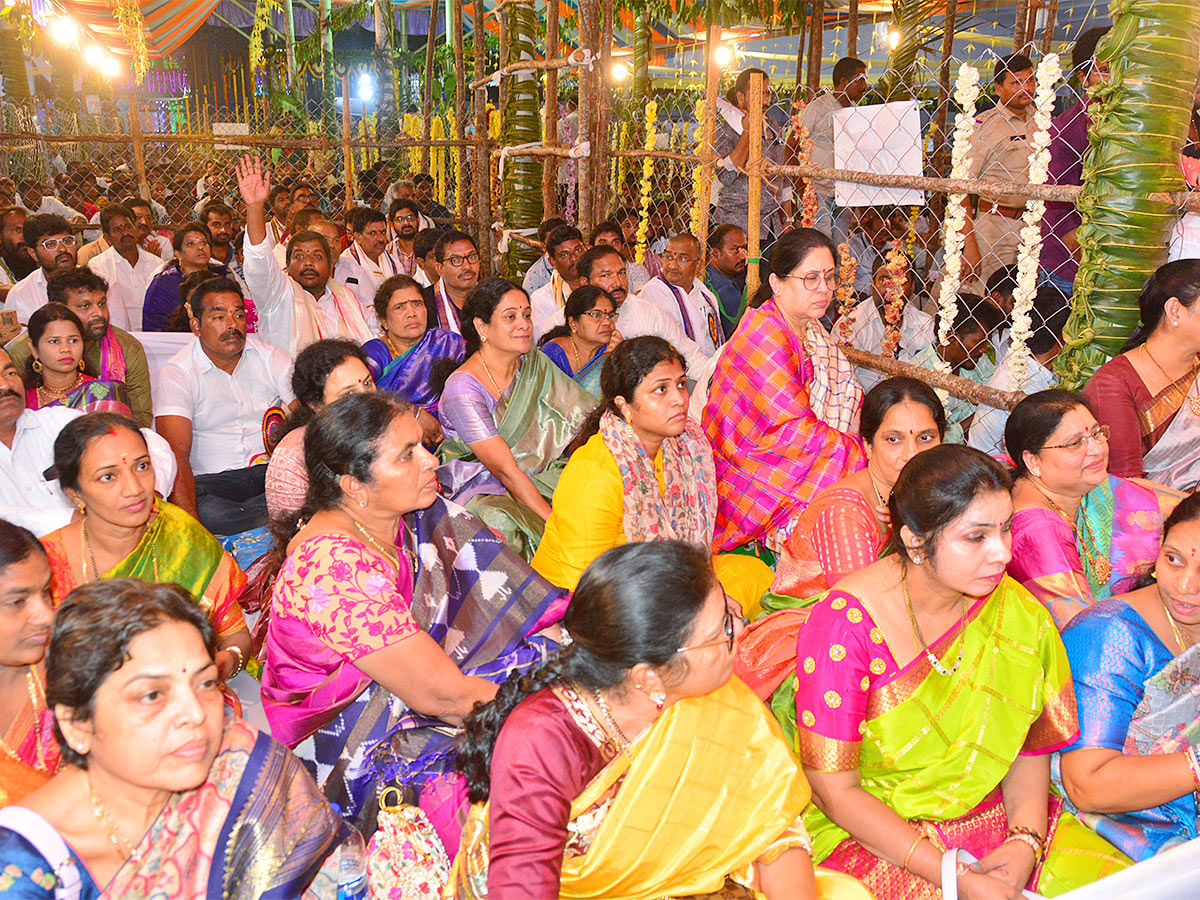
1000 152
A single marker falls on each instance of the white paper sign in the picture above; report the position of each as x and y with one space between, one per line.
884 139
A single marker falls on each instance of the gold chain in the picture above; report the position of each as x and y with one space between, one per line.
1099 564
392 555
59 393
1183 645
104 817
91 555
603 704
916 628
1194 402
40 750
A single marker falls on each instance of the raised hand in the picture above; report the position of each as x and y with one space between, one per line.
254 181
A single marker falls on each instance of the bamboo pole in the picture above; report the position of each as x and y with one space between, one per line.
427 106
943 109
139 148
816 45
754 162
347 152
289 45
481 181
460 107
550 113
971 391
1048 34
707 156
852 29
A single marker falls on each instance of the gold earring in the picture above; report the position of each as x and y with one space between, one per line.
81 364
483 339
37 365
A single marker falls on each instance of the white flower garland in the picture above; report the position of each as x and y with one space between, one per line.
1049 71
966 92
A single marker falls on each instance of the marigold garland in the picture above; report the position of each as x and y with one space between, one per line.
895 290
847 296
966 92
809 204
643 231
698 198
1049 71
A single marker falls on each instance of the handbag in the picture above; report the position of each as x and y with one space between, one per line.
405 856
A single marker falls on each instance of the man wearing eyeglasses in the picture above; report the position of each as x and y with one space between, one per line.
683 297
849 86
52 244
456 256
564 246
404 217
303 304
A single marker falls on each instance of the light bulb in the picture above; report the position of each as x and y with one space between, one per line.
93 55
893 38
63 30
723 55
620 71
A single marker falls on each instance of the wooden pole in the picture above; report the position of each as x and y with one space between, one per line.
800 39
139 147
461 113
816 45
481 181
852 29
589 37
600 146
289 30
942 155
347 153
1031 23
707 156
1019 26
1048 34
754 162
550 114
427 107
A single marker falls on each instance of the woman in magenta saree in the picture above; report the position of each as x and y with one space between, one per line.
1079 534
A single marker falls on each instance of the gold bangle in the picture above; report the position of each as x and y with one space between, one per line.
912 850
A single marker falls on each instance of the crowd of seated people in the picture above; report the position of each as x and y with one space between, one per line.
606 580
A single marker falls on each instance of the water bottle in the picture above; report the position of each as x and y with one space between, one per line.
352 868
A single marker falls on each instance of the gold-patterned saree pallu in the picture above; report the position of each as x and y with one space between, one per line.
541 415
700 796
1173 459
935 748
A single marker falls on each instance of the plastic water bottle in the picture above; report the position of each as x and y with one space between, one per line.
352 868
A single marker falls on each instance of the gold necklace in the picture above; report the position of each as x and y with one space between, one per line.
392 555
920 638
115 836
574 352
91 554
1100 565
491 378
59 393
1193 402
1183 645
39 751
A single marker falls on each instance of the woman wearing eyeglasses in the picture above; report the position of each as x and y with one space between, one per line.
630 764
931 691
1079 534
508 415
401 360
578 346
783 403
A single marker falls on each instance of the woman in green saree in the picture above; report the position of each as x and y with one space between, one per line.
125 531
508 415
914 747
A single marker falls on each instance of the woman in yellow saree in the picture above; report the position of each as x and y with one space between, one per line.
914 746
631 765
124 531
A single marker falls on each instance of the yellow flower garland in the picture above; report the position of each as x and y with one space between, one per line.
643 231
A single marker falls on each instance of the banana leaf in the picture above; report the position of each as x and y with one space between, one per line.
1139 123
521 123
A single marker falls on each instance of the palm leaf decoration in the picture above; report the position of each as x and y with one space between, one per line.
521 123
1140 121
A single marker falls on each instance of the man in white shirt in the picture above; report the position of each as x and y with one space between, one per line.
35 199
403 217
1048 318
849 86
866 329
366 263
604 267
126 267
538 274
303 304
278 202
30 495
53 245
683 296
457 258
218 400
564 246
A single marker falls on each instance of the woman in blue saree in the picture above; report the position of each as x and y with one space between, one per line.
579 346
402 359
1133 775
